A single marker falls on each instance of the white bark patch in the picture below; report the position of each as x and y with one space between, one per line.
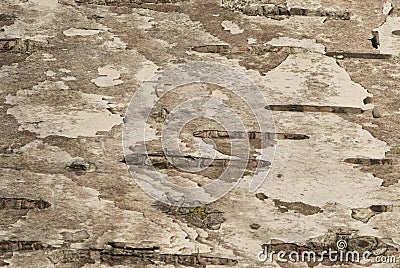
299 80
231 27
148 70
389 43
64 117
48 57
62 85
80 32
313 170
308 44
115 44
45 5
50 73
6 70
63 70
69 78
109 77
387 8
251 41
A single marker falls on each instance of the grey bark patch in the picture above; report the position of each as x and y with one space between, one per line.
276 11
375 112
20 45
367 100
6 19
124 2
23 203
160 161
358 55
369 161
79 257
78 236
15 245
255 226
315 109
246 50
250 135
8 58
80 166
203 216
145 257
261 196
212 49
115 253
365 214
298 207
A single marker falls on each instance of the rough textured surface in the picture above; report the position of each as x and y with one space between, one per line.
69 68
